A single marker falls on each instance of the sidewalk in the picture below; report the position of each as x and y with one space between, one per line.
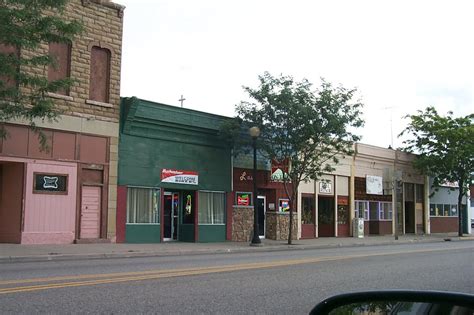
30 253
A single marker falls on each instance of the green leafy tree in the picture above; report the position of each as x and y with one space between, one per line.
445 149
24 26
307 128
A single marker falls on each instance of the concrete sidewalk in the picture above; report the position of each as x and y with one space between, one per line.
26 253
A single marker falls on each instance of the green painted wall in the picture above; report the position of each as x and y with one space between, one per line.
186 233
142 233
211 233
155 136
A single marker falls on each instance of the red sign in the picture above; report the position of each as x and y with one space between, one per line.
243 199
179 177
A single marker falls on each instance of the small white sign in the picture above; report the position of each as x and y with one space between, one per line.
374 185
179 177
325 187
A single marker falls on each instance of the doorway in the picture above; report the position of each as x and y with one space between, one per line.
261 205
409 217
90 212
170 216
11 201
325 216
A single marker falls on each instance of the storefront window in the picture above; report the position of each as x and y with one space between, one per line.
308 209
373 209
211 207
385 211
443 210
362 209
188 207
143 205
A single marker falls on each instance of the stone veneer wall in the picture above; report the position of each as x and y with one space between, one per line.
278 226
103 26
242 224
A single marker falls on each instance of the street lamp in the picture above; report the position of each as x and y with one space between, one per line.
254 133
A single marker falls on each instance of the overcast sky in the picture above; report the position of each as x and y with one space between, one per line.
401 55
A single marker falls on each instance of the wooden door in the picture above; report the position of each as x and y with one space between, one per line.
90 212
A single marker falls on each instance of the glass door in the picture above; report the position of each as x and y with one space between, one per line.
171 209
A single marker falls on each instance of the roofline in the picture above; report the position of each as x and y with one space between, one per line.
176 107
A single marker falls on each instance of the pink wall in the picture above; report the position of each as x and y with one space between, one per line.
50 218
11 196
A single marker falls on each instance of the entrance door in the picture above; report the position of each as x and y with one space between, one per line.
261 205
171 206
90 212
325 216
409 217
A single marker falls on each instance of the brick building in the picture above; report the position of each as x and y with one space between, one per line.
68 193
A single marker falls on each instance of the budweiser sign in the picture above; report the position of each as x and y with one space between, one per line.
179 177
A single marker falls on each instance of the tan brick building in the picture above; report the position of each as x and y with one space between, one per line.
68 193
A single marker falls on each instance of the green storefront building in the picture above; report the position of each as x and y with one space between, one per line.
175 174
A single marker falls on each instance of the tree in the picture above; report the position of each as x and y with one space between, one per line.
24 26
306 128
444 146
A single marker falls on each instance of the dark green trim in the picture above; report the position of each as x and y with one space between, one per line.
212 233
142 233
186 233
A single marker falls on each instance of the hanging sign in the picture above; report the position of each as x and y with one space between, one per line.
179 177
279 170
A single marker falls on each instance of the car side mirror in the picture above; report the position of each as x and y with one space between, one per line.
397 302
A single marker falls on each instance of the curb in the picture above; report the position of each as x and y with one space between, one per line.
228 250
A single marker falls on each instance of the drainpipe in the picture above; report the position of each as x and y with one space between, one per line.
426 201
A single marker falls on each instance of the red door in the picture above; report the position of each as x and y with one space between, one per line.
90 212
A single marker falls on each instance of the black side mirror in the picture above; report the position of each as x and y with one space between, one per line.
397 302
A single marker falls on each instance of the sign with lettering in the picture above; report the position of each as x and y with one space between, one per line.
53 183
245 175
179 177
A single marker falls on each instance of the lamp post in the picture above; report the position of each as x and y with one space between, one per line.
254 133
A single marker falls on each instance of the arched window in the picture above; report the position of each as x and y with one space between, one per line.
99 74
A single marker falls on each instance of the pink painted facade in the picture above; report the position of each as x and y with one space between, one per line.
49 218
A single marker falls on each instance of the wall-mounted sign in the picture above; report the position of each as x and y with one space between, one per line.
245 176
374 185
179 177
325 187
243 199
50 183
284 205
279 170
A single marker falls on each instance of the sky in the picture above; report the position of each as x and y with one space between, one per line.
402 56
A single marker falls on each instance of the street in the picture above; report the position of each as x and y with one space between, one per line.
262 282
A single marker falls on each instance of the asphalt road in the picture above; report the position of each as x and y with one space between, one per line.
265 282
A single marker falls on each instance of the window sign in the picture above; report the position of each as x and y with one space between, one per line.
50 183
244 198
284 205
